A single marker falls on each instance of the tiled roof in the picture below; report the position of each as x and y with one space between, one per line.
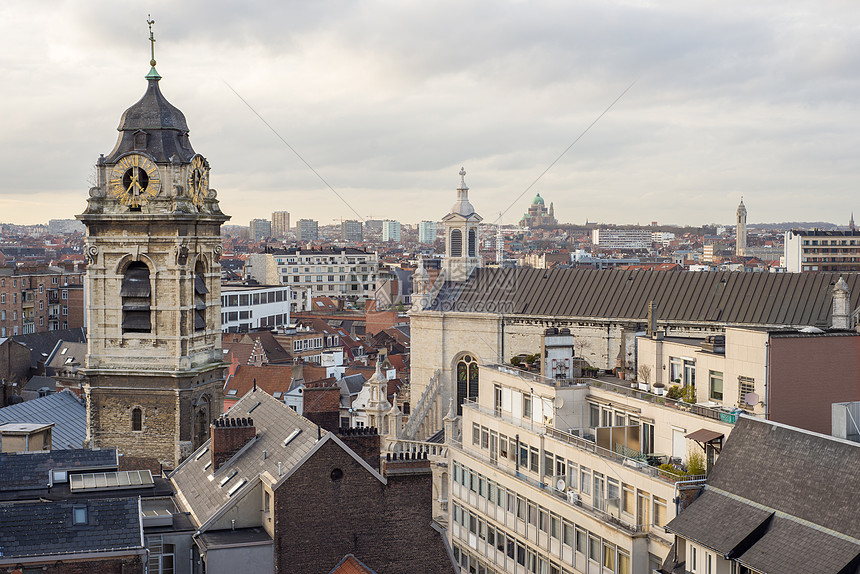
113 524
780 500
29 470
63 409
274 422
351 565
795 299
270 378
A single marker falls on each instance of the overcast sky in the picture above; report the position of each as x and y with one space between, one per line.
387 100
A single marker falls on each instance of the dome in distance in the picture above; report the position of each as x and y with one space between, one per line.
538 200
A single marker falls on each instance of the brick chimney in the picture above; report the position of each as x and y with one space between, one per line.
365 442
229 435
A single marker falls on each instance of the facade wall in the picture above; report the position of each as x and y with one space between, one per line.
388 526
251 308
256 558
808 375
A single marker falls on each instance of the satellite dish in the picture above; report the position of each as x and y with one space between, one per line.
560 484
751 399
559 402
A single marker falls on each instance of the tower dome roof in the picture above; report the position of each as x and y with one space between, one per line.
538 200
153 125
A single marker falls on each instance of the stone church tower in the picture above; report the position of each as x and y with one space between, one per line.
154 368
741 231
461 236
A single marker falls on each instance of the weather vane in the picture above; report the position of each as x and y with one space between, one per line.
150 21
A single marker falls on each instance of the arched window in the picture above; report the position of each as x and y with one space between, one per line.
136 293
200 292
467 380
473 242
136 419
456 243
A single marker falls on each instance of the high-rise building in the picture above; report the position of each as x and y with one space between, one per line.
280 223
390 230
351 231
638 239
741 234
154 368
308 229
819 250
259 229
427 232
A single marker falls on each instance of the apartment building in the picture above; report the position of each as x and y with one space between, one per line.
819 250
636 239
558 475
427 232
259 229
391 230
245 307
280 223
38 299
307 229
350 273
352 231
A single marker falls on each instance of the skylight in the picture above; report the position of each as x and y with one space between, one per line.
227 478
236 487
292 436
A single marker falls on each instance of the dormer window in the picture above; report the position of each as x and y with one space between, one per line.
140 140
136 294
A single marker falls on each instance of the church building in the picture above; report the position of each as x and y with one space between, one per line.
154 368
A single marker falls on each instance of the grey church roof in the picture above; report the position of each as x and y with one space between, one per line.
779 500
774 299
164 124
63 409
274 422
113 524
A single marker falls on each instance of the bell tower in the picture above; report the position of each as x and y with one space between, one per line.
741 232
154 368
461 236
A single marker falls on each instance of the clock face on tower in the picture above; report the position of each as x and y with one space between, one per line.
134 180
198 180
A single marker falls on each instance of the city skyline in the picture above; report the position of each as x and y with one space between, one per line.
388 102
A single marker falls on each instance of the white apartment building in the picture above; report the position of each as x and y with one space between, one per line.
621 238
427 232
391 230
819 250
556 476
246 307
350 273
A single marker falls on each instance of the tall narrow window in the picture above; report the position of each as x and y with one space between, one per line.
200 292
136 294
136 419
467 380
473 243
456 243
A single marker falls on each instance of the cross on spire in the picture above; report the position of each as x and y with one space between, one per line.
150 21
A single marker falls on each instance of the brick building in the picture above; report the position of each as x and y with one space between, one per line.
273 492
36 299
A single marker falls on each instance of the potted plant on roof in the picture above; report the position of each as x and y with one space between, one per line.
644 372
658 388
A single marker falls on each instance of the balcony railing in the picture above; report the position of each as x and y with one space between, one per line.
535 377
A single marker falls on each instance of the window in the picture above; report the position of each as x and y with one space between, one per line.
476 433
746 385
659 511
79 515
136 292
200 292
473 242
456 243
467 380
136 419
527 406
2 297
716 385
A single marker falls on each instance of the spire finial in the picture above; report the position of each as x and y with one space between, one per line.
463 178
153 74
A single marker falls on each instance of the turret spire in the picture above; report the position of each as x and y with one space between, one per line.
153 74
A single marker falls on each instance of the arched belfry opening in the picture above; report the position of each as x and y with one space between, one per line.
136 293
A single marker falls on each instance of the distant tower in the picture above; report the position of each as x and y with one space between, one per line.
851 226
741 235
461 236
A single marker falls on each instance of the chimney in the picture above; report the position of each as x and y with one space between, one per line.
841 317
557 354
229 435
651 330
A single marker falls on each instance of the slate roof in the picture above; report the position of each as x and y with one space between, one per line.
66 354
274 422
354 383
738 298
113 525
41 345
779 500
29 470
63 409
